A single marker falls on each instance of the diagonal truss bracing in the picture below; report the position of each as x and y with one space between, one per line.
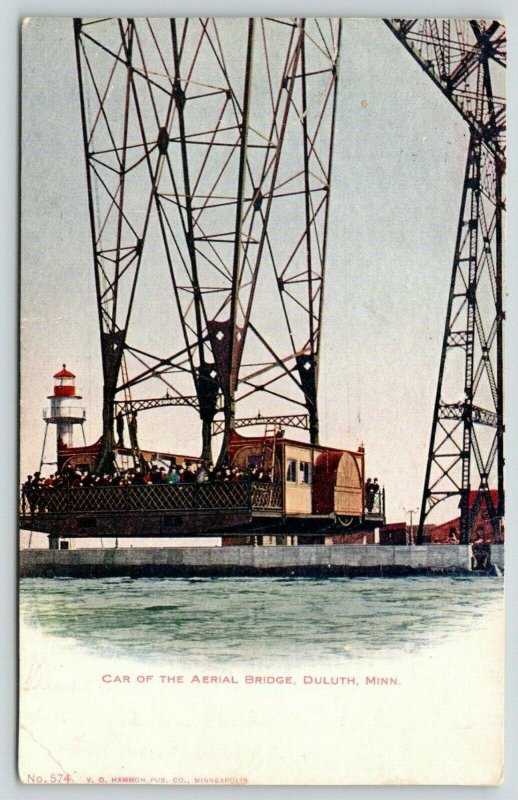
221 133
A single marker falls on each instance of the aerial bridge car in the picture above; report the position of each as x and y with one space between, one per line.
271 490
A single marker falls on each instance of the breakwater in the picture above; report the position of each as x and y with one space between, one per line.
309 560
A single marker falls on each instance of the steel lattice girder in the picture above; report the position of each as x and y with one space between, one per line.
240 192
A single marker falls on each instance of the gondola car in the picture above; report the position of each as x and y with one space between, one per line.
287 491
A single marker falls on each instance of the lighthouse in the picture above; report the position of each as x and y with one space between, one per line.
64 411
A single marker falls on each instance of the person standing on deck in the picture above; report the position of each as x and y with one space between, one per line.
369 496
173 477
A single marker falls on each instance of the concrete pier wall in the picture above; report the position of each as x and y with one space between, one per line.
310 560
497 555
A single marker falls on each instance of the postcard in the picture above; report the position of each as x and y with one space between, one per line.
262 492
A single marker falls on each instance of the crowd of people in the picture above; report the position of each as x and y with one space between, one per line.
36 487
188 472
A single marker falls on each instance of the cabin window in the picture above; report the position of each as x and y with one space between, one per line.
291 471
304 472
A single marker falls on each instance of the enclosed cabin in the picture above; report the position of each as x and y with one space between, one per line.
306 480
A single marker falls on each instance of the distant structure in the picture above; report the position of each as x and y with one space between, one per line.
64 412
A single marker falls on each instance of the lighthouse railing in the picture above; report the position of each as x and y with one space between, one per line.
65 413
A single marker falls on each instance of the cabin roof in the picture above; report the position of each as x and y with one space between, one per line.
238 439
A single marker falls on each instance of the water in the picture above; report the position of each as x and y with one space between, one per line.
258 620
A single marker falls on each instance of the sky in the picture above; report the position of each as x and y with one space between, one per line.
397 180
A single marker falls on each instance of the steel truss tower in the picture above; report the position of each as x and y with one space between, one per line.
465 59
220 134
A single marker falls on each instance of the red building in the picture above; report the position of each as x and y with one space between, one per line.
482 529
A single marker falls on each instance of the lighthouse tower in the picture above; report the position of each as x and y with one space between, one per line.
64 411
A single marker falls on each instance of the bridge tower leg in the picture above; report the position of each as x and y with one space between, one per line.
465 59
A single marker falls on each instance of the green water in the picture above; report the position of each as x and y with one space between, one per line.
255 620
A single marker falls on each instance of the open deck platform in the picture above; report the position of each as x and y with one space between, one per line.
195 509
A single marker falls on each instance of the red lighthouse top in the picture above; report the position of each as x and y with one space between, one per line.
64 386
64 373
